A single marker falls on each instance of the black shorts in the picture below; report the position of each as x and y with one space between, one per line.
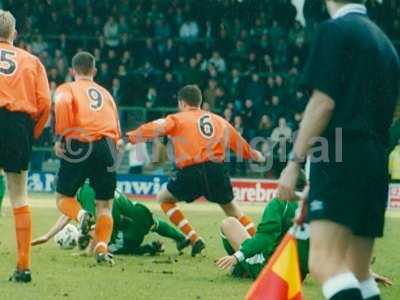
209 180
353 193
94 161
16 138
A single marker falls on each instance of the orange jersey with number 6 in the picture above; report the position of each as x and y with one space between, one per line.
85 111
197 136
23 85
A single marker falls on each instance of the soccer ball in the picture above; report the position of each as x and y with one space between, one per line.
67 238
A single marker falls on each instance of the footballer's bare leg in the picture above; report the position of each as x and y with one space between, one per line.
17 188
103 231
231 209
234 232
329 245
169 206
359 256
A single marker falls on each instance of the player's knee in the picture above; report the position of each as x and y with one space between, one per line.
228 223
103 207
164 196
17 189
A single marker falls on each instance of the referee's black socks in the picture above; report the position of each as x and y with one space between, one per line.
342 287
370 289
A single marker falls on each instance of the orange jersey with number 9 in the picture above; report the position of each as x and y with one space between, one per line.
86 111
197 136
23 85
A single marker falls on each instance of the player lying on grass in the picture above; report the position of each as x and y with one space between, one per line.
200 140
132 222
248 255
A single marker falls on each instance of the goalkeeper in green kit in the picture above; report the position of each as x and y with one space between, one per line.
247 255
132 222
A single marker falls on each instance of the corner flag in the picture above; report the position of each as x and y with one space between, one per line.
281 278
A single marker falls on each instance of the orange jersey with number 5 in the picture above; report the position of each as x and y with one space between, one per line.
85 111
23 85
197 136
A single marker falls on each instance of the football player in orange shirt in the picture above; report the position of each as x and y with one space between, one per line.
200 140
88 126
24 110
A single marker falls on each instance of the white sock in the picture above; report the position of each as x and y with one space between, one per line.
340 282
369 288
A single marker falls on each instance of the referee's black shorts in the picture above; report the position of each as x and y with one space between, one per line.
94 161
16 139
354 192
209 180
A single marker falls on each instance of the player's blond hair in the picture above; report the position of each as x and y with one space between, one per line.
7 24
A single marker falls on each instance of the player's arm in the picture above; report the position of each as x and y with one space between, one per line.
148 131
57 227
43 99
239 145
316 118
323 75
63 112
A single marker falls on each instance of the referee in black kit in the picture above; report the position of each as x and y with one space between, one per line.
354 74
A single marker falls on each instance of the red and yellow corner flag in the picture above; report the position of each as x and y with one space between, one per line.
281 278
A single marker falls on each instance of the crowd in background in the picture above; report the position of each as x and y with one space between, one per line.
247 56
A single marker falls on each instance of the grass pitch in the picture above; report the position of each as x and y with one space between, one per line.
59 275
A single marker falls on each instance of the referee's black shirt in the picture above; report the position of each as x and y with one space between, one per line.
354 63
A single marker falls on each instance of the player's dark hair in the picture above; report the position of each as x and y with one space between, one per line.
191 95
83 63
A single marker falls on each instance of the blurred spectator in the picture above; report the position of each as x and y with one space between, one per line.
255 89
249 116
234 84
210 93
228 115
218 62
111 32
168 90
192 74
265 127
151 97
189 31
282 132
116 90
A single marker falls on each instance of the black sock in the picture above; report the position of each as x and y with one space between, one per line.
350 294
377 297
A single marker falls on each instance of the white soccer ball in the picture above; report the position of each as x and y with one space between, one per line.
67 238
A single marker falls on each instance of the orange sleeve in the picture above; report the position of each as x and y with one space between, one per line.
239 145
63 111
157 128
43 99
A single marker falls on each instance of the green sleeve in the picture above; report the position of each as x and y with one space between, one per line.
269 231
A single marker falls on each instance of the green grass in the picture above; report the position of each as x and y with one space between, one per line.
59 275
